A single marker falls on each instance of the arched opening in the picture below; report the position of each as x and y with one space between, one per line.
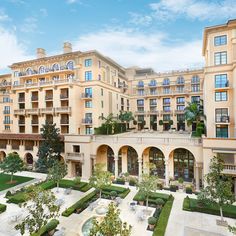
129 158
29 159
157 162
183 164
110 160
2 156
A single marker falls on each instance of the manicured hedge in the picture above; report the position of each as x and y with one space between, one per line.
153 197
160 228
122 192
81 204
3 208
47 228
190 204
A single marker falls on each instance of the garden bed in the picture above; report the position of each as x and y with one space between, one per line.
3 208
190 204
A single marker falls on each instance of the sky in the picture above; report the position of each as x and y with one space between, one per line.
164 35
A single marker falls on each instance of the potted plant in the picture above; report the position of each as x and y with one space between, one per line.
120 180
126 176
173 188
152 222
161 124
140 198
132 181
113 195
160 202
189 190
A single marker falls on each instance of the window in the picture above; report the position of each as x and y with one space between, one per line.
102 105
180 100
195 99
87 62
88 130
99 77
7 120
180 107
6 109
195 87
88 92
222 131
153 91
76 148
41 69
101 92
88 104
221 115
7 127
140 84
99 64
166 108
180 117
166 81
55 67
166 90
180 80
70 65
220 40
140 102
221 81
180 89
6 99
220 58
166 117
195 79
141 92
153 102
141 118
152 83
88 75
166 101
16 73
221 96
29 71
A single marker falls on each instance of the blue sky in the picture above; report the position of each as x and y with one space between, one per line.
164 34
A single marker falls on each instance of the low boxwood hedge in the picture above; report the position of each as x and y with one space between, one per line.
160 228
3 208
47 228
190 204
81 204
122 192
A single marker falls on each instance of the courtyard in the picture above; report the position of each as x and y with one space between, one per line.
183 223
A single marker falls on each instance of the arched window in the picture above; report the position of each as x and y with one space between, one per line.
166 81
41 69
55 67
140 83
153 82
70 65
195 79
180 80
29 71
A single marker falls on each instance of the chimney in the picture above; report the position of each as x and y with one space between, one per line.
67 47
40 53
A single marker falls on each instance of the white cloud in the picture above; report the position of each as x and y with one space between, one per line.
73 1
193 9
139 19
29 25
4 16
130 48
10 47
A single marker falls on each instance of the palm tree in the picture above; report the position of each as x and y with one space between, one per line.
194 113
109 121
126 117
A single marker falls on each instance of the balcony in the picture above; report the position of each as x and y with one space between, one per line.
166 112
154 104
64 96
222 119
6 112
49 97
19 112
47 110
87 121
229 169
63 110
29 148
7 122
33 111
179 111
152 85
153 112
140 105
75 156
139 112
64 122
34 122
21 99
34 98
86 96
223 86
21 122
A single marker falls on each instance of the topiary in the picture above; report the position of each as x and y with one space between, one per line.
160 202
8 194
152 220
113 194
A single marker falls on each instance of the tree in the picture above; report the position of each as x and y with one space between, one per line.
11 164
41 208
194 113
126 117
147 186
57 172
218 189
50 148
171 123
100 178
109 122
111 224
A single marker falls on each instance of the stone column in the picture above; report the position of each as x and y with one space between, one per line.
197 178
140 168
166 172
235 186
116 158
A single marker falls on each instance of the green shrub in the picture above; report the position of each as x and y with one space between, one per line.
77 180
17 198
3 208
140 198
180 180
189 190
186 204
163 218
157 212
132 181
120 181
173 188
113 194
160 202
152 220
8 194
47 228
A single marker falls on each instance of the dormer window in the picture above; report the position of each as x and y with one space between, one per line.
166 81
195 79
153 83
180 80
29 71
55 67
70 65
41 70
140 84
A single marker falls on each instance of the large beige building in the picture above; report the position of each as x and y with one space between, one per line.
75 89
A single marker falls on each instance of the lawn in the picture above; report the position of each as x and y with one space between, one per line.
5 179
